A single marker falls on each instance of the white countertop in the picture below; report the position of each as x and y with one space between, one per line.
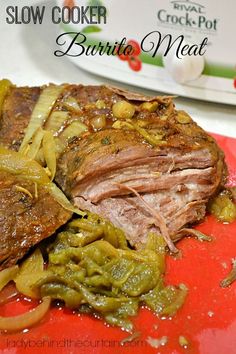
26 58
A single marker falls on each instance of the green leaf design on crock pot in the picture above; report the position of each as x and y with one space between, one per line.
95 3
91 29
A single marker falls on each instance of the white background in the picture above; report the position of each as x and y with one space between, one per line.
26 58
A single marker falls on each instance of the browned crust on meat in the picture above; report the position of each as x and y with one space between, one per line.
20 102
134 96
102 154
24 221
16 113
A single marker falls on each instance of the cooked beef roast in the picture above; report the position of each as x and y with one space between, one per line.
174 182
25 218
16 112
152 172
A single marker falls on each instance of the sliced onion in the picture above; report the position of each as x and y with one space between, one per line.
7 275
8 293
24 190
28 319
122 125
56 121
153 140
60 197
16 163
71 104
76 128
5 85
40 157
31 270
36 190
49 152
41 111
36 143
60 146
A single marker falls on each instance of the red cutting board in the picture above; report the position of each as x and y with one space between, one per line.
207 319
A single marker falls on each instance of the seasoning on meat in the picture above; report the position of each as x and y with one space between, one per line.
147 168
24 219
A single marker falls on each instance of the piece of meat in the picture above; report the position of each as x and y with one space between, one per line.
140 186
20 102
103 171
25 218
175 182
16 113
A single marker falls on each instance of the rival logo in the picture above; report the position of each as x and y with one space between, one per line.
188 6
188 14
